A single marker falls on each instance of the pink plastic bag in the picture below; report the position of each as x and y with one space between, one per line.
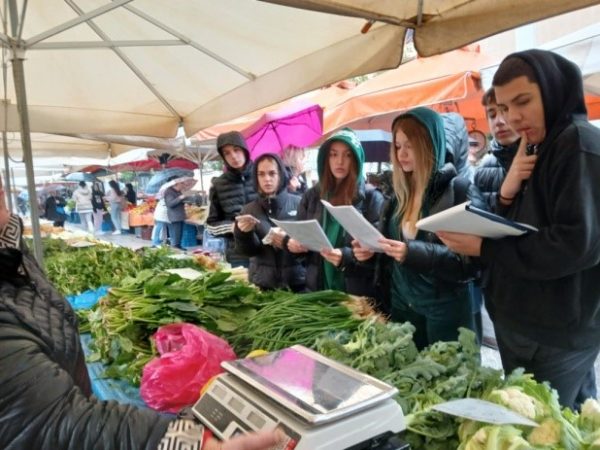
190 356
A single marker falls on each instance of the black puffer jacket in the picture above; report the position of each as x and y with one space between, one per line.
358 276
227 196
457 142
270 267
490 174
427 257
46 400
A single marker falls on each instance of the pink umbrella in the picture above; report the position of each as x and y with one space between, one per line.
298 125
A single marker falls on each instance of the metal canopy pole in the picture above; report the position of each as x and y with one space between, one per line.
17 57
7 181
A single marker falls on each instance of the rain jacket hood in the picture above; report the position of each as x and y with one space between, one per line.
236 139
434 124
283 174
348 137
562 91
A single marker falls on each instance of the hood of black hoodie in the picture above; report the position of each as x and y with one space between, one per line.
561 86
236 139
283 173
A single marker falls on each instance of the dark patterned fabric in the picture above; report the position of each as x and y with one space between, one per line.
10 235
182 435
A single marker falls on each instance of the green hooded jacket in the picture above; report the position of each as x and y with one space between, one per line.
334 278
408 286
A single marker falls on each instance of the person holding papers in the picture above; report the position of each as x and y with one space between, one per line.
424 282
340 166
272 266
543 288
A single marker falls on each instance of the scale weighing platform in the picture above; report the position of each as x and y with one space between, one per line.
319 403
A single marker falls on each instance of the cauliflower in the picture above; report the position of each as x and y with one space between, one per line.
590 415
547 433
513 398
497 437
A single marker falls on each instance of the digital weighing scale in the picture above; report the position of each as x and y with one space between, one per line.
319 403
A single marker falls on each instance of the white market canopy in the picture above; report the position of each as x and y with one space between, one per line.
143 67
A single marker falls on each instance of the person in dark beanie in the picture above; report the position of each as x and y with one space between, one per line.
542 289
230 192
272 266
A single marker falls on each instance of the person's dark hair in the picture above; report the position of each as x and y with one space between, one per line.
129 186
82 183
344 193
511 68
113 184
489 97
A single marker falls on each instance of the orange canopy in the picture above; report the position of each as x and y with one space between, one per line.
448 82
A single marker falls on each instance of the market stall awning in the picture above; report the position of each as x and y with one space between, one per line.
447 82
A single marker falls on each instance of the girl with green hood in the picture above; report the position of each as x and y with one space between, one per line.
340 165
419 277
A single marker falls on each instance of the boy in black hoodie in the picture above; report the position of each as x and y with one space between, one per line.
230 192
543 289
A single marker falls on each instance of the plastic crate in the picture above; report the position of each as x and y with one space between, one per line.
188 236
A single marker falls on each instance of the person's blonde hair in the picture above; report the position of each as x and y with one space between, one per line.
408 186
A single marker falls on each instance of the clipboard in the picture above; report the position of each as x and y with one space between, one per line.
468 219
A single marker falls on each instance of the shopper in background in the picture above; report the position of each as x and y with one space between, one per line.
83 205
161 223
47 401
174 201
130 194
272 266
230 192
98 206
341 182
542 289
424 282
490 174
115 199
55 209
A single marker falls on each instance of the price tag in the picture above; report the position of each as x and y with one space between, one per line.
483 411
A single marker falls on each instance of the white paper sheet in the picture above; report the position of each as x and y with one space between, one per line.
483 411
460 219
356 225
308 232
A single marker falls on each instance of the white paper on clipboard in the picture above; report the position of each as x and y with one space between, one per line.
308 232
356 225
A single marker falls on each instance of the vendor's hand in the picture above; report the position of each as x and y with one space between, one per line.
296 247
361 253
463 244
334 256
394 249
262 440
277 238
520 170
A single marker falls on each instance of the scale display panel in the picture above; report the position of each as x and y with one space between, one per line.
310 385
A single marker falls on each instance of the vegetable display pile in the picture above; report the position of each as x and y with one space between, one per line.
144 297
75 270
123 322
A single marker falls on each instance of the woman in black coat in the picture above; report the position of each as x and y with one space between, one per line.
271 265
340 162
